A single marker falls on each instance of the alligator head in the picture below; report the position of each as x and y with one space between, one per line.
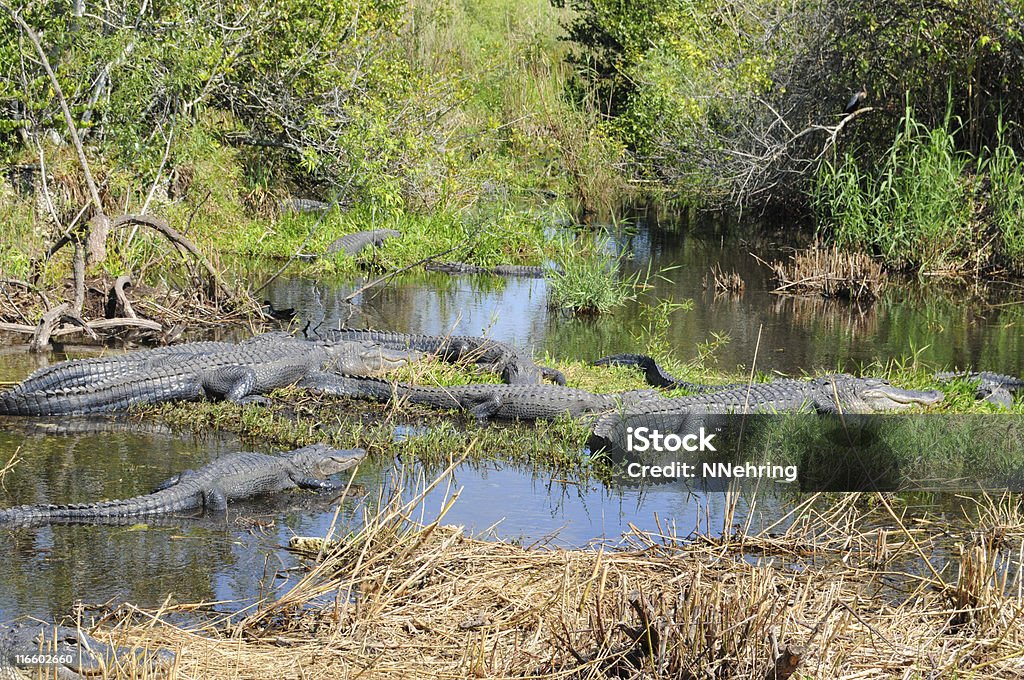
369 358
868 395
323 461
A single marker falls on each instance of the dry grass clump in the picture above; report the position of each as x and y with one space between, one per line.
833 590
722 282
831 273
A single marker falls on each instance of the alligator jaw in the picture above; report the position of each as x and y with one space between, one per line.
889 398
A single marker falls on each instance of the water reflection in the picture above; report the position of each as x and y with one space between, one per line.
940 326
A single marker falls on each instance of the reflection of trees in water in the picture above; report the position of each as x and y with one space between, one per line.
45 570
953 327
851 320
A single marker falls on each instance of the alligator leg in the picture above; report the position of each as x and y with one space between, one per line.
997 395
230 382
215 499
486 408
553 374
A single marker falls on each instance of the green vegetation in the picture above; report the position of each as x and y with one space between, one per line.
443 119
928 206
913 209
593 283
740 101
447 118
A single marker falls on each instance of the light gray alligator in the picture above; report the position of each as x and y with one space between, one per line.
826 394
353 244
233 477
235 374
485 401
33 649
515 365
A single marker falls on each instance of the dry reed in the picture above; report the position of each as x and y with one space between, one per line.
837 589
722 282
831 273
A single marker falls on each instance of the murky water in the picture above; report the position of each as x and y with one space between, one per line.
238 557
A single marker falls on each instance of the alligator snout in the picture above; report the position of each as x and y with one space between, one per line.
887 397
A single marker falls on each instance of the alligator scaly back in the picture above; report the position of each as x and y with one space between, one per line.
229 478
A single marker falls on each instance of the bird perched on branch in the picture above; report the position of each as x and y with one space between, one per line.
856 100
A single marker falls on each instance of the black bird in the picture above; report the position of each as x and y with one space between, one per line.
856 100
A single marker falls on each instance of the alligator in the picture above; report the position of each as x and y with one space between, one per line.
90 372
995 388
74 654
523 271
485 401
301 205
827 394
237 375
233 477
353 244
515 366
657 376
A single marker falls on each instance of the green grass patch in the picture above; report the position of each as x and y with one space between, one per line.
928 206
590 279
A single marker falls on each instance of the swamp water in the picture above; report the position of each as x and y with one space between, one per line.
236 558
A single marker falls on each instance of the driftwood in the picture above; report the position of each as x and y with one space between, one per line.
121 299
181 242
101 224
85 327
106 225
41 333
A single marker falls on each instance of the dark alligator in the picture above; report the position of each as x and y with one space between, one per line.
657 376
523 271
995 388
74 654
515 365
353 244
230 478
827 394
485 401
236 374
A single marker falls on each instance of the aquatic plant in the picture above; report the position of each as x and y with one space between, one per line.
913 209
589 278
